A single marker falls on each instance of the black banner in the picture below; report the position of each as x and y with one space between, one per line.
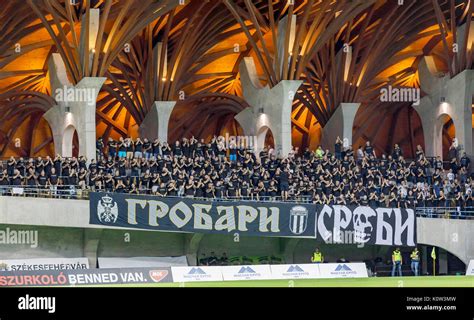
366 225
196 216
330 224
85 277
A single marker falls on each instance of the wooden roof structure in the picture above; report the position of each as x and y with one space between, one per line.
204 43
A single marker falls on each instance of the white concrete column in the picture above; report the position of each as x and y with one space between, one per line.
76 105
288 249
445 97
91 245
461 35
85 114
424 260
270 108
283 29
94 22
155 124
192 242
340 125
75 110
442 261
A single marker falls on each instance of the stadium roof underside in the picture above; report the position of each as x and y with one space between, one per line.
204 43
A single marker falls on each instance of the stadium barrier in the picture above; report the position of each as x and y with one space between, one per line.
343 270
43 264
270 272
296 271
74 192
466 213
140 262
254 272
138 276
470 269
195 274
85 277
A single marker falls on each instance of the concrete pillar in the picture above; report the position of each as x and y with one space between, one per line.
461 35
94 22
91 245
155 124
340 124
157 54
424 260
442 261
75 110
270 108
283 29
76 105
192 243
288 248
452 235
445 97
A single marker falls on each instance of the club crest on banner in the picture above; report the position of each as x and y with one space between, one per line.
298 220
107 210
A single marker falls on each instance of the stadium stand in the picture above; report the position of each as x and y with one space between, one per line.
191 168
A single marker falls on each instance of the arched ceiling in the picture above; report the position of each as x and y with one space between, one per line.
204 42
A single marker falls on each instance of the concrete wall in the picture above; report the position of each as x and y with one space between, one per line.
248 246
52 243
64 231
44 212
455 236
115 243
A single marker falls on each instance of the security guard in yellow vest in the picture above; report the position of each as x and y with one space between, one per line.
415 261
397 262
317 256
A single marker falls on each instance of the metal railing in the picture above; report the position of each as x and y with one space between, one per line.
74 192
58 192
466 213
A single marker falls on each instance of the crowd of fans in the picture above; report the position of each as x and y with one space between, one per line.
192 168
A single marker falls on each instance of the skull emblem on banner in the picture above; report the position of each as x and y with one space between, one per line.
362 226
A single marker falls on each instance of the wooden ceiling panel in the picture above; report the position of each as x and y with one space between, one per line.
204 42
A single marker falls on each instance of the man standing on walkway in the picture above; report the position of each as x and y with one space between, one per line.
397 262
415 261
317 256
